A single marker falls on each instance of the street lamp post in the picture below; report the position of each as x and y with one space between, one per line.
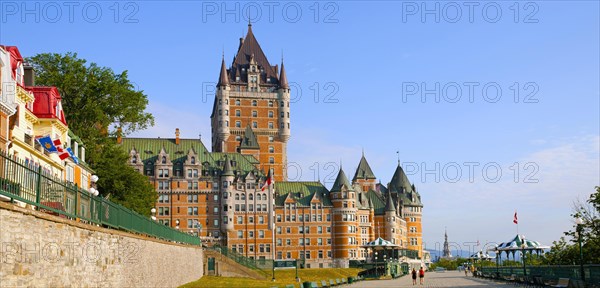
579 223
376 264
497 259
523 260
153 211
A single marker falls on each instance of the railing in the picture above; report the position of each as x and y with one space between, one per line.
28 183
257 264
592 272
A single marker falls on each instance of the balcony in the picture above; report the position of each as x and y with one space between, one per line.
29 140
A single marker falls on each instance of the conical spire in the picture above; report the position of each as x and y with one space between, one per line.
399 181
283 82
227 171
249 139
364 170
340 181
223 76
389 204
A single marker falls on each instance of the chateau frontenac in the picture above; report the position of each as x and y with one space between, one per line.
237 194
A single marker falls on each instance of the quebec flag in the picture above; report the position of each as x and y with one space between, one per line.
47 143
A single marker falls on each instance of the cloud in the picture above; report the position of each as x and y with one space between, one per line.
541 186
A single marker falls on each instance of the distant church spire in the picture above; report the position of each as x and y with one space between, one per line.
446 246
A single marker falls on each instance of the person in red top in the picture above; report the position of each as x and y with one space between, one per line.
421 275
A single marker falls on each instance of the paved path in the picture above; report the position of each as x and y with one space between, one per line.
432 279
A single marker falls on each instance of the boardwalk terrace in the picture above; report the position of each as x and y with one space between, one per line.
221 194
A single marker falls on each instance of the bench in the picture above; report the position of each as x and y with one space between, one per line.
331 283
323 283
313 285
562 283
290 286
338 282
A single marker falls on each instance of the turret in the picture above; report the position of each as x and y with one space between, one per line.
223 89
390 217
227 176
283 95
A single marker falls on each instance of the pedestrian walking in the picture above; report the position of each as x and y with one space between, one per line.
422 275
414 276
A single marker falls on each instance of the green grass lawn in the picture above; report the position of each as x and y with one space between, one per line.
283 277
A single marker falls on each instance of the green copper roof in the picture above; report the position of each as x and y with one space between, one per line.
399 181
241 162
341 180
376 201
302 192
149 148
249 139
364 170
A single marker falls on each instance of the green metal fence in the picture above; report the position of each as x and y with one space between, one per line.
592 272
257 264
24 181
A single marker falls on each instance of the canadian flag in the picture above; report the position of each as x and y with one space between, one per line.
515 220
62 153
268 182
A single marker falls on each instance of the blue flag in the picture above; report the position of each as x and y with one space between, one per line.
47 143
75 159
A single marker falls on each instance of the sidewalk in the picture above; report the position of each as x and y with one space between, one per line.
433 279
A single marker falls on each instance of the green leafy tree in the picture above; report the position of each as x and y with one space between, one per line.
125 185
96 100
563 252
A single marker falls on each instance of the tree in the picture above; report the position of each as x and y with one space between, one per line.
125 185
94 100
563 252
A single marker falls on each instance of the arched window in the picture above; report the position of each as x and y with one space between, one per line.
270 114
243 196
250 196
264 196
237 102
271 149
193 160
254 103
164 160
270 103
258 197
134 159
237 196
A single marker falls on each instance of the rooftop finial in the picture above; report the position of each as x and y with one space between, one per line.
398 153
363 151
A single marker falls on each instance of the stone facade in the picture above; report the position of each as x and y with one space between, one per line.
41 250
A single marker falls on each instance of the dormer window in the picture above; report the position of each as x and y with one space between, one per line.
164 160
253 68
193 160
58 109
134 159
19 74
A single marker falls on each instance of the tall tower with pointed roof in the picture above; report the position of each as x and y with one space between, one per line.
253 95
410 201
345 232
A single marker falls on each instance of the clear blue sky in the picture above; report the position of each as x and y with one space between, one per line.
368 58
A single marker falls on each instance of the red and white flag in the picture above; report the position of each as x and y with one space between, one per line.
268 182
62 153
515 220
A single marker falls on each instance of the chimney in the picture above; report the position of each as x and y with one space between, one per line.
29 77
177 136
119 135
